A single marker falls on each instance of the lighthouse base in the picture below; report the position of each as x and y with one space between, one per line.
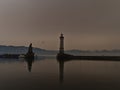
62 56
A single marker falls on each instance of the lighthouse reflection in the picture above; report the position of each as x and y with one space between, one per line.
61 71
29 64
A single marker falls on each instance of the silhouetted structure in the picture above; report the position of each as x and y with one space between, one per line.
61 55
30 54
61 50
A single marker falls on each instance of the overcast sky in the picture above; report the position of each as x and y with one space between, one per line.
86 24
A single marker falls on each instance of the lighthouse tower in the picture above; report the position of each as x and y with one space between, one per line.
61 50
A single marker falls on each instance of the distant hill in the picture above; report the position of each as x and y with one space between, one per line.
22 50
115 52
38 51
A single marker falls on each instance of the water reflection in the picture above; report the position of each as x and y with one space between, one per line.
61 70
78 74
29 64
31 61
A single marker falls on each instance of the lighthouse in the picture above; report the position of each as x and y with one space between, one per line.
61 50
61 55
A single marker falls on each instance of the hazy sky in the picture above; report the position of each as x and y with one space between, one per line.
86 24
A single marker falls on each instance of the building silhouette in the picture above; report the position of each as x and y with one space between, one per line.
30 54
61 55
61 50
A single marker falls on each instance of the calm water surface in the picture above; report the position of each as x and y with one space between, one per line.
49 74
